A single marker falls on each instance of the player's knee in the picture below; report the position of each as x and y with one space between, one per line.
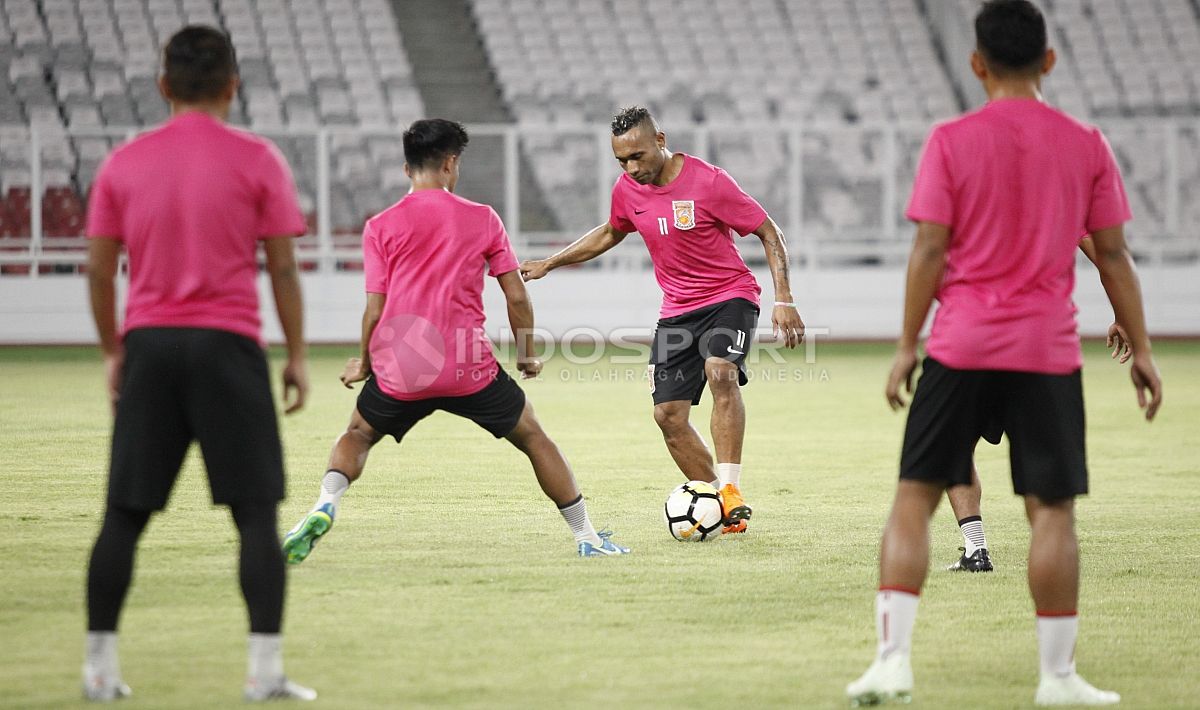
125 522
361 432
671 417
255 517
528 434
1050 514
722 375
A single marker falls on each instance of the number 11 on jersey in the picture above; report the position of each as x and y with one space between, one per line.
662 226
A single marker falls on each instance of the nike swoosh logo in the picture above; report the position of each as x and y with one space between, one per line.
735 352
639 211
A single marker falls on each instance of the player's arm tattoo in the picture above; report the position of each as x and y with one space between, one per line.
777 258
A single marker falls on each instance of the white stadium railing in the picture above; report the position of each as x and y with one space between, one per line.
837 190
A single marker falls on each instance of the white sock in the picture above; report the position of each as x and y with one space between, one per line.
265 658
895 613
333 486
575 513
101 654
1056 643
971 528
728 473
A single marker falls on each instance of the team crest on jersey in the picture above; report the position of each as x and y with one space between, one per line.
685 213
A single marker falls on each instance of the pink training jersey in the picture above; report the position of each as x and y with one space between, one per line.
190 200
1019 184
427 254
687 226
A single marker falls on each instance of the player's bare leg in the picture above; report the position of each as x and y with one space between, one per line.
549 465
903 564
1053 554
728 427
558 483
686 445
965 500
904 552
346 463
349 455
1054 584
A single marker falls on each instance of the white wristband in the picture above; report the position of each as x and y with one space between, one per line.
784 303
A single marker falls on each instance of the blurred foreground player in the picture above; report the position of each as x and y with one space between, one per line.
1001 199
424 348
189 202
686 212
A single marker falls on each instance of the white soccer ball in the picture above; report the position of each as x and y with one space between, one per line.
693 512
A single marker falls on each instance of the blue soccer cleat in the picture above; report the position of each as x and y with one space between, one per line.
298 543
605 549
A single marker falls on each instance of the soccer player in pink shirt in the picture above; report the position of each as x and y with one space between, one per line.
190 202
687 212
424 348
1002 198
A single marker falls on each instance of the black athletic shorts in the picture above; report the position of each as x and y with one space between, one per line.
496 407
1041 414
682 343
181 385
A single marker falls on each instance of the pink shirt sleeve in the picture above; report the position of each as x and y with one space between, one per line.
278 209
733 207
375 268
618 215
1109 205
500 256
933 195
103 212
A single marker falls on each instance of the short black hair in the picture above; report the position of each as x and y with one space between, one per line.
431 140
1011 36
629 118
198 63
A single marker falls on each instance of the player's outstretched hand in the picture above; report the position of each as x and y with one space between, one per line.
1119 342
113 362
785 321
353 372
529 367
1145 379
903 366
295 385
534 269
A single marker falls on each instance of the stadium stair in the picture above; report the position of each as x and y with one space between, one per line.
456 81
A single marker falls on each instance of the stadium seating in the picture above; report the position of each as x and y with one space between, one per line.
819 63
798 60
1129 57
862 77
815 62
90 68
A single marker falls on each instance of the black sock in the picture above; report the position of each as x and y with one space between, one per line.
111 566
261 567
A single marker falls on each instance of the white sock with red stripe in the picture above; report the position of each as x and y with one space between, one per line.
1056 642
895 614
728 473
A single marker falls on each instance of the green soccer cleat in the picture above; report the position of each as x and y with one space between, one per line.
298 543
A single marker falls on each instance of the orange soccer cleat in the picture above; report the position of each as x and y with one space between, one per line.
738 526
736 510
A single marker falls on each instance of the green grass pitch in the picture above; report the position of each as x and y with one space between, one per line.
448 581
